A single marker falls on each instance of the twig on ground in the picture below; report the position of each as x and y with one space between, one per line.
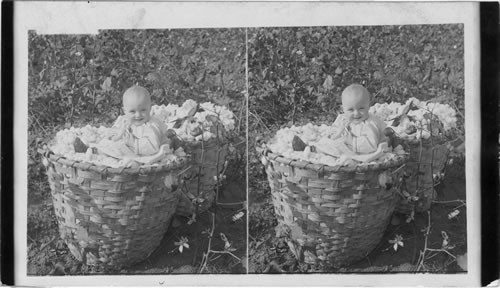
32 240
401 167
449 201
457 110
231 203
225 252
259 120
442 250
38 122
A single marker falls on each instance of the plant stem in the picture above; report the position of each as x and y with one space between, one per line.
259 120
204 261
427 232
196 204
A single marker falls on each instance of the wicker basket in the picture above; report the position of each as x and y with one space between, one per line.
198 184
109 216
332 216
425 161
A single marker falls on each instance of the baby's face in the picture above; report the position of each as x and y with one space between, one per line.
137 108
356 107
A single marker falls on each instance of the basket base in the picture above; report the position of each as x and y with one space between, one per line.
110 219
330 218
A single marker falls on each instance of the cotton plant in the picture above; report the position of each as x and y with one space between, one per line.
419 117
194 122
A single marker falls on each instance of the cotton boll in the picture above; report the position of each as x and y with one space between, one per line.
426 134
88 154
62 144
171 113
307 152
180 152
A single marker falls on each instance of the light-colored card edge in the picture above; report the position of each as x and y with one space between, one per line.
83 17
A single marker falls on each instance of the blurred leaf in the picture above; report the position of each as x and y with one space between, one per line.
328 83
462 261
378 75
114 72
106 85
82 234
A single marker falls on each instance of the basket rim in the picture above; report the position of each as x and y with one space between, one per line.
144 169
399 160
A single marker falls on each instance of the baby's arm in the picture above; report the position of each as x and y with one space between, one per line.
121 125
340 125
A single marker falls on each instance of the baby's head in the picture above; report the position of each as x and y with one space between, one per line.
137 105
356 103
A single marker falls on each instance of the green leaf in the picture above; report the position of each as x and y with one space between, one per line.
114 72
82 234
106 85
328 83
462 261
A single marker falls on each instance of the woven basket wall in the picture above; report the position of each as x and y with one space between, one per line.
108 216
419 170
199 181
332 215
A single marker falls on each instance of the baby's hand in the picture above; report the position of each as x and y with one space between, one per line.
117 134
342 128
164 149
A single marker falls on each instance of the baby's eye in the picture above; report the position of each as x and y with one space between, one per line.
350 110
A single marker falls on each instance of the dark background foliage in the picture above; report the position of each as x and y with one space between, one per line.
82 77
301 70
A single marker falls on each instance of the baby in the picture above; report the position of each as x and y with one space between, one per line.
359 134
138 136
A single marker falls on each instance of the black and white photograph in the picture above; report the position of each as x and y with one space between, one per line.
360 163
137 145
246 143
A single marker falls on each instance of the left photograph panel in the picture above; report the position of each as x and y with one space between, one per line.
137 152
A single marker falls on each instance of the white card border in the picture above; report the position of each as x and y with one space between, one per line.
83 17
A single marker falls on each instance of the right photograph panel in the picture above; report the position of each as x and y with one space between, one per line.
356 149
